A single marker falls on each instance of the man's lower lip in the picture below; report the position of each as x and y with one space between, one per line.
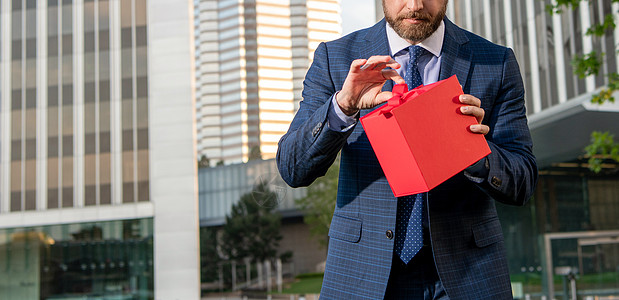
415 21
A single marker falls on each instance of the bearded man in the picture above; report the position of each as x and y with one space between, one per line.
443 244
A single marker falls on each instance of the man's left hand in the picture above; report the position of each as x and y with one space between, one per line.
472 107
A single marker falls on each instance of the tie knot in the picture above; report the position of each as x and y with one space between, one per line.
415 51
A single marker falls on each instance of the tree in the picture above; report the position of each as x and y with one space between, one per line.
254 153
320 202
602 147
204 162
209 257
253 227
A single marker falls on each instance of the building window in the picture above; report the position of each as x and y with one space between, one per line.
87 260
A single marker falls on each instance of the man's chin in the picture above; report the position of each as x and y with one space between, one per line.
414 33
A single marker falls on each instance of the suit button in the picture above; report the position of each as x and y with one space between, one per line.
496 181
389 234
316 129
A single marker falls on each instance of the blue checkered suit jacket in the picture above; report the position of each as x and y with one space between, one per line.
466 235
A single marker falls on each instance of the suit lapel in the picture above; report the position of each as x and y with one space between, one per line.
375 43
456 56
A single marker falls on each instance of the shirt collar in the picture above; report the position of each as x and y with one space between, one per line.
434 43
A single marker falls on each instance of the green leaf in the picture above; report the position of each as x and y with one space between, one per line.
557 8
602 147
587 64
606 94
600 29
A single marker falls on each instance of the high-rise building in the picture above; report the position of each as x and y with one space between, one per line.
98 186
251 58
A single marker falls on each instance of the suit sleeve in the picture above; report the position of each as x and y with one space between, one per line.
512 166
309 147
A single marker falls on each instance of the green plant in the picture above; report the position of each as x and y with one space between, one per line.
602 144
319 203
252 228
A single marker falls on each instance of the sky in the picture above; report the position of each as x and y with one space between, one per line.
357 14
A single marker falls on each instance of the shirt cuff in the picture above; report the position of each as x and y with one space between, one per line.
337 119
478 172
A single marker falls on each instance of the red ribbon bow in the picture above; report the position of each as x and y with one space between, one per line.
400 95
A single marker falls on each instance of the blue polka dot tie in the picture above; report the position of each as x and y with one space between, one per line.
409 219
412 77
409 232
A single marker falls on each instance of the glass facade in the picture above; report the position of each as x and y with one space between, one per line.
251 58
60 125
134 93
74 123
572 221
23 106
544 44
102 260
97 105
74 146
221 187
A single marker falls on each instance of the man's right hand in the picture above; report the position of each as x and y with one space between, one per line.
365 80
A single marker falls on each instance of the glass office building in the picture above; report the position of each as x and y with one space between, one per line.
98 184
98 260
251 59
571 226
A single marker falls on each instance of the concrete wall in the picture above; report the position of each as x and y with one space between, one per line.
307 254
174 186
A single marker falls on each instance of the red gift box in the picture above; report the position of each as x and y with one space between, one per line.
420 137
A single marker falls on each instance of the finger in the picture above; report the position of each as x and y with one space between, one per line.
391 74
373 61
392 63
357 64
477 112
380 62
367 66
382 97
470 100
380 66
480 129
389 64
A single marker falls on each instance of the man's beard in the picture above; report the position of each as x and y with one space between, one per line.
415 32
